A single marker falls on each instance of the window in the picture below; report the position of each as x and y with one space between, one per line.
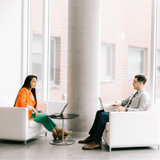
35 35
158 63
136 61
106 61
54 62
52 59
47 47
37 56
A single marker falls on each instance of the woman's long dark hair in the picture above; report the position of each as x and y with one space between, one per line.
28 86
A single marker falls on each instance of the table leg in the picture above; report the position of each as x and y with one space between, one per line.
62 142
63 131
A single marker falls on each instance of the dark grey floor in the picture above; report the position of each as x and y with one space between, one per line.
40 149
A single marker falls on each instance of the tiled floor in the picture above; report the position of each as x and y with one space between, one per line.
40 149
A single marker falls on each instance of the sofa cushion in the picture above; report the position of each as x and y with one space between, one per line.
150 107
33 124
6 101
107 126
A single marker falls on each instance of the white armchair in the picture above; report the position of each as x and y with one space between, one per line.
14 124
132 129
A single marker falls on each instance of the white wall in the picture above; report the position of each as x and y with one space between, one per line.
10 47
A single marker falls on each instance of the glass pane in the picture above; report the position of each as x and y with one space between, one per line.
158 63
135 62
37 56
158 59
126 26
57 80
35 44
109 61
105 62
52 59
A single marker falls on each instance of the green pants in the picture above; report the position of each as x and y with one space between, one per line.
46 121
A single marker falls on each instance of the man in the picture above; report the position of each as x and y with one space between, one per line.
137 101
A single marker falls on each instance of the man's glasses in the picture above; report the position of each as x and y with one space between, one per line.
135 82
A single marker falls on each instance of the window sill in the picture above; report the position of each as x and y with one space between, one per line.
54 86
107 81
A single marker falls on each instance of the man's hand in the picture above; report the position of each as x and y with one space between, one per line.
115 104
35 111
118 107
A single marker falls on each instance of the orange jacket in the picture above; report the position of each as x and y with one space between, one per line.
24 97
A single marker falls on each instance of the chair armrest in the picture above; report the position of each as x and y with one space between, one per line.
13 121
134 127
43 106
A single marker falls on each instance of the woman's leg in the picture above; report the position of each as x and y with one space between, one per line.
46 121
49 125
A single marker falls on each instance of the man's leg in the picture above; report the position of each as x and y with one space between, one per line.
93 128
103 118
96 144
95 124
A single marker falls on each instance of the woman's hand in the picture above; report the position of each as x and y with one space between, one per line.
39 110
35 111
42 111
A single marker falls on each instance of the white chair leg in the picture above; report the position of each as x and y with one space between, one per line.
25 142
110 149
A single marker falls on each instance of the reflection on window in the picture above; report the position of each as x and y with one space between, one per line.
54 61
158 63
136 61
37 56
106 61
35 42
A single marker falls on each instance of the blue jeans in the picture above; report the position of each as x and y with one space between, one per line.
99 125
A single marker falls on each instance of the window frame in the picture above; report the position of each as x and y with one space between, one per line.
158 65
130 77
110 77
52 82
25 44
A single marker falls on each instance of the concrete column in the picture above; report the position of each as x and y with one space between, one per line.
154 19
83 62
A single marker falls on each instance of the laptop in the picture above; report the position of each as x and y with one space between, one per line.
107 108
58 114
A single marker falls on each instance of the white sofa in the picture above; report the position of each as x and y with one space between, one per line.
132 129
14 123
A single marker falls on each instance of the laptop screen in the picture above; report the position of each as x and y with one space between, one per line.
101 102
64 109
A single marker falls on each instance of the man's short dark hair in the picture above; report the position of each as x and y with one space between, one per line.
141 78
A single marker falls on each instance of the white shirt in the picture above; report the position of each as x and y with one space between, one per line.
139 103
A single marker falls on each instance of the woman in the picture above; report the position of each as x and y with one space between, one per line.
27 98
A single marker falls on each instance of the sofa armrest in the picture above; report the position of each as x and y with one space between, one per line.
43 106
13 122
133 128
